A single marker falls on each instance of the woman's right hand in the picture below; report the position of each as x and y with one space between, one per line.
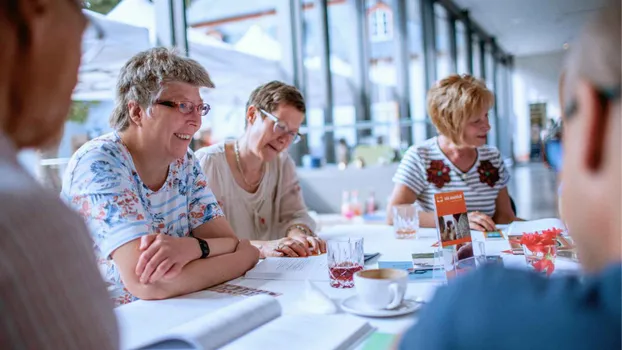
481 222
288 247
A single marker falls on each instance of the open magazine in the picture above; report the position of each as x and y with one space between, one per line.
257 323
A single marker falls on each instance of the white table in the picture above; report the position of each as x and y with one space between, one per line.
141 318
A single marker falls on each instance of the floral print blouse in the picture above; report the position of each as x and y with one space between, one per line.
102 184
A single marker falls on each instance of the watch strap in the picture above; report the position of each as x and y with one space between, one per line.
204 247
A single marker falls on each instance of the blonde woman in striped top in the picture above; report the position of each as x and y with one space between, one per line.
458 159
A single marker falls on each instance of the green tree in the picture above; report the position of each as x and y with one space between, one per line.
101 6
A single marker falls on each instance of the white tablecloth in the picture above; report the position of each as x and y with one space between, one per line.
141 318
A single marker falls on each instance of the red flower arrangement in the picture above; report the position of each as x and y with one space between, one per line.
488 173
438 173
541 249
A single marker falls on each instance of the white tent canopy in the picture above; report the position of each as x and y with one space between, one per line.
235 69
106 46
234 73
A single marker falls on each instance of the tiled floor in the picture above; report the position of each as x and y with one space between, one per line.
534 190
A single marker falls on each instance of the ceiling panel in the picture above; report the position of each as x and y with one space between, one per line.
528 27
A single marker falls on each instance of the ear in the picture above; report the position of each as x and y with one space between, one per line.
251 114
595 121
134 110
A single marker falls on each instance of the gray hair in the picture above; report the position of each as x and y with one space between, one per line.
141 79
596 54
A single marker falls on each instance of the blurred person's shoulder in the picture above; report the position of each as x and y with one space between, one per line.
513 309
49 276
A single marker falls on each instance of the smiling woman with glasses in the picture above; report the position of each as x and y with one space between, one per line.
156 226
254 179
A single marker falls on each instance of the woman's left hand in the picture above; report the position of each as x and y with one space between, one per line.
316 244
164 256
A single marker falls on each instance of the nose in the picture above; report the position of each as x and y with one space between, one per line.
284 138
194 119
487 126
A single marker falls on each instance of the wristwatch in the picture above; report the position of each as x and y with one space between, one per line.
204 247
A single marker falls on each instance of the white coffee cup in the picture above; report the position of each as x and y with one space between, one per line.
381 288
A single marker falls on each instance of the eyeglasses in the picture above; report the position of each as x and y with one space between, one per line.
604 94
280 128
187 107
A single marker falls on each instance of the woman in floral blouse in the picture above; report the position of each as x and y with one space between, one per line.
458 159
157 229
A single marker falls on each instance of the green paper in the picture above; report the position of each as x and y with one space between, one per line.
379 341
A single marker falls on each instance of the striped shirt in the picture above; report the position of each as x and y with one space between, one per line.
52 295
101 182
426 170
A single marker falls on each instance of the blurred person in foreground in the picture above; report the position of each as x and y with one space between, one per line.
458 159
157 229
509 309
255 180
52 295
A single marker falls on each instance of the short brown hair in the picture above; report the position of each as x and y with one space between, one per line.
142 77
270 95
453 100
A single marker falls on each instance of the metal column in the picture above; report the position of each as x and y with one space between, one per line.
429 51
329 136
289 13
482 59
360 62
402 64
170 16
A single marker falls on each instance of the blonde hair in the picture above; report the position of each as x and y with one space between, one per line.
453 100
141 79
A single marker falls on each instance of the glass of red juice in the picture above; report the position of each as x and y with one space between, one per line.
345 258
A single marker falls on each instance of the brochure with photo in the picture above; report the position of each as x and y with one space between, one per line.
454 233
452 221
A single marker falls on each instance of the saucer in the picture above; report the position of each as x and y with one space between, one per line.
355 306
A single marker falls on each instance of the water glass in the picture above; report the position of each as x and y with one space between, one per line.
345 258
405 221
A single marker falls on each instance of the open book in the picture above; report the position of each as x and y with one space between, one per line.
257 323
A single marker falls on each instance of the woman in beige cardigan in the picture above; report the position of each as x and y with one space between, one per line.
254 179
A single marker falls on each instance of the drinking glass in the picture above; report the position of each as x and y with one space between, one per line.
345 258
405 221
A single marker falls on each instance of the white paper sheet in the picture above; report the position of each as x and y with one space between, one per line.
313 268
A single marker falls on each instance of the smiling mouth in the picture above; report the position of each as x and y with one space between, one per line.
183 136
274 148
